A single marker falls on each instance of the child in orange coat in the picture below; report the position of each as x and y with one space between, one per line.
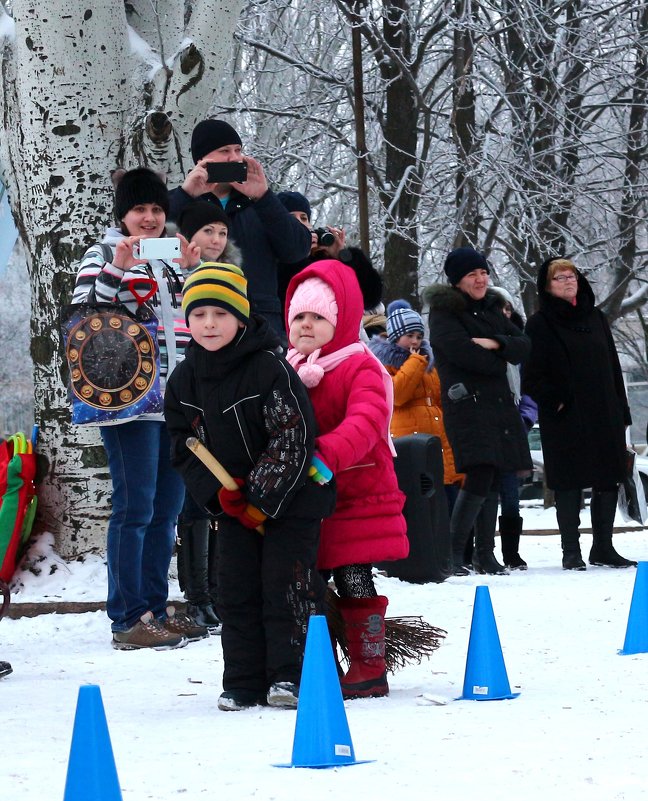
408 358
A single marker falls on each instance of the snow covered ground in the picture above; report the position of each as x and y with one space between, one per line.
578 730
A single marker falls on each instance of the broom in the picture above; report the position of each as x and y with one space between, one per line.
408 639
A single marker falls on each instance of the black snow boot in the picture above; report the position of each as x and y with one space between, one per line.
603 508
193 570
510 529
5 669
484 560
568 504
464 514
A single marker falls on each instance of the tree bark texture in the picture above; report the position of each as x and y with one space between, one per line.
83 92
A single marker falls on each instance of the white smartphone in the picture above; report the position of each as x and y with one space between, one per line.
165 248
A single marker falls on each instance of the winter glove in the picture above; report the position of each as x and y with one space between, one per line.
251 517
232 502
318 471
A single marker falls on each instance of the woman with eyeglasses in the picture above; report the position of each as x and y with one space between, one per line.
575 377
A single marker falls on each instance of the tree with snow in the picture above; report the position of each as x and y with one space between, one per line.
87 87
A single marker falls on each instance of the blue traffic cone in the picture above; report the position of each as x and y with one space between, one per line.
322 738
485 678
91 774
636 639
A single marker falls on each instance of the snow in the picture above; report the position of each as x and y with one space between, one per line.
578 730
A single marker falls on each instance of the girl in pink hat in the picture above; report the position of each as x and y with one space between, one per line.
352 397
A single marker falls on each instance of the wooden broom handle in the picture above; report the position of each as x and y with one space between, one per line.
214 467
211 463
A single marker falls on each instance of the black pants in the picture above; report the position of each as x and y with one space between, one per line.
268 587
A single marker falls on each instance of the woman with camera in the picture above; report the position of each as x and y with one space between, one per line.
147 493
575 377
473 342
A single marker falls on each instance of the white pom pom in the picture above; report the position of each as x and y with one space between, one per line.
311 375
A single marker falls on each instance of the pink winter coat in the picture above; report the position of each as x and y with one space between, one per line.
353 420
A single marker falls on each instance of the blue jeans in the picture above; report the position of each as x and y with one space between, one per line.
147 495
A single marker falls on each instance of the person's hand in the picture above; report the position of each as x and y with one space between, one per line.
232 502
256 184
332 251
196 183
417 351
124 259
486 342
561 406
189 254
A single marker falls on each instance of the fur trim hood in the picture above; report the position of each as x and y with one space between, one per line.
442 297
392 355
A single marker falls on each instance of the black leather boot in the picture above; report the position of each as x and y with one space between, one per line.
510 529
484 560
194 567
464 514
603 508
568 504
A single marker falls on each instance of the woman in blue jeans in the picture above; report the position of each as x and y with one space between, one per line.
147 494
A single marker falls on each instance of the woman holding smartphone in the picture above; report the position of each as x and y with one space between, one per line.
147 494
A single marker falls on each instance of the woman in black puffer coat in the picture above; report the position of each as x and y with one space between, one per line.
473 343
574 376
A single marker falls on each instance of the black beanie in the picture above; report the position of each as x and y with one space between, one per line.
461 261
295 201
209 135
137 186
199 214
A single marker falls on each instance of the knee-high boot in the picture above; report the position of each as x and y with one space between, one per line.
193 565
603 508
568 503
364 621
484 560
464 514
510 529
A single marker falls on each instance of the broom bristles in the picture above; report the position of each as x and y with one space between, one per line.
408 640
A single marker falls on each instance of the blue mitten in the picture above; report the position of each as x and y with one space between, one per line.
318 471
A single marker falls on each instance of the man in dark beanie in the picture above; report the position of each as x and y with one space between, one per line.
259 224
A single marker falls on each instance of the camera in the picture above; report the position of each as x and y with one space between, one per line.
165 248
324 237
226 172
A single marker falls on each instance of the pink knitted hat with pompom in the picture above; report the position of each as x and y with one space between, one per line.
316 296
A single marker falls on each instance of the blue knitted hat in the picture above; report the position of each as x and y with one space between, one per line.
402 319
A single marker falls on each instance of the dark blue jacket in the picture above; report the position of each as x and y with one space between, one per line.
266 234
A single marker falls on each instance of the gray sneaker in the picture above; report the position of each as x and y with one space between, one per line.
147 633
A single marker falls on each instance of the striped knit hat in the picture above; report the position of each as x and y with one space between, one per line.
401 320
213 284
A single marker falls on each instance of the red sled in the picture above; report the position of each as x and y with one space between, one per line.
17 500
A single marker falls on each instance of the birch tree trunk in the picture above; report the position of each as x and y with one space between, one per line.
85 91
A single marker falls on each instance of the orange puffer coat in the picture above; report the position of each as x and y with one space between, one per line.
417 397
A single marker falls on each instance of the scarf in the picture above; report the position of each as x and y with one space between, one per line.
311 370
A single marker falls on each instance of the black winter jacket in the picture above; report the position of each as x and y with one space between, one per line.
574 362
484 426
266 234
250 409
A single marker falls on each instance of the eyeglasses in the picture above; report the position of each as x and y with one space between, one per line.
563 278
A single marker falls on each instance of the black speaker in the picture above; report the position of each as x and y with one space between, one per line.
419 469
